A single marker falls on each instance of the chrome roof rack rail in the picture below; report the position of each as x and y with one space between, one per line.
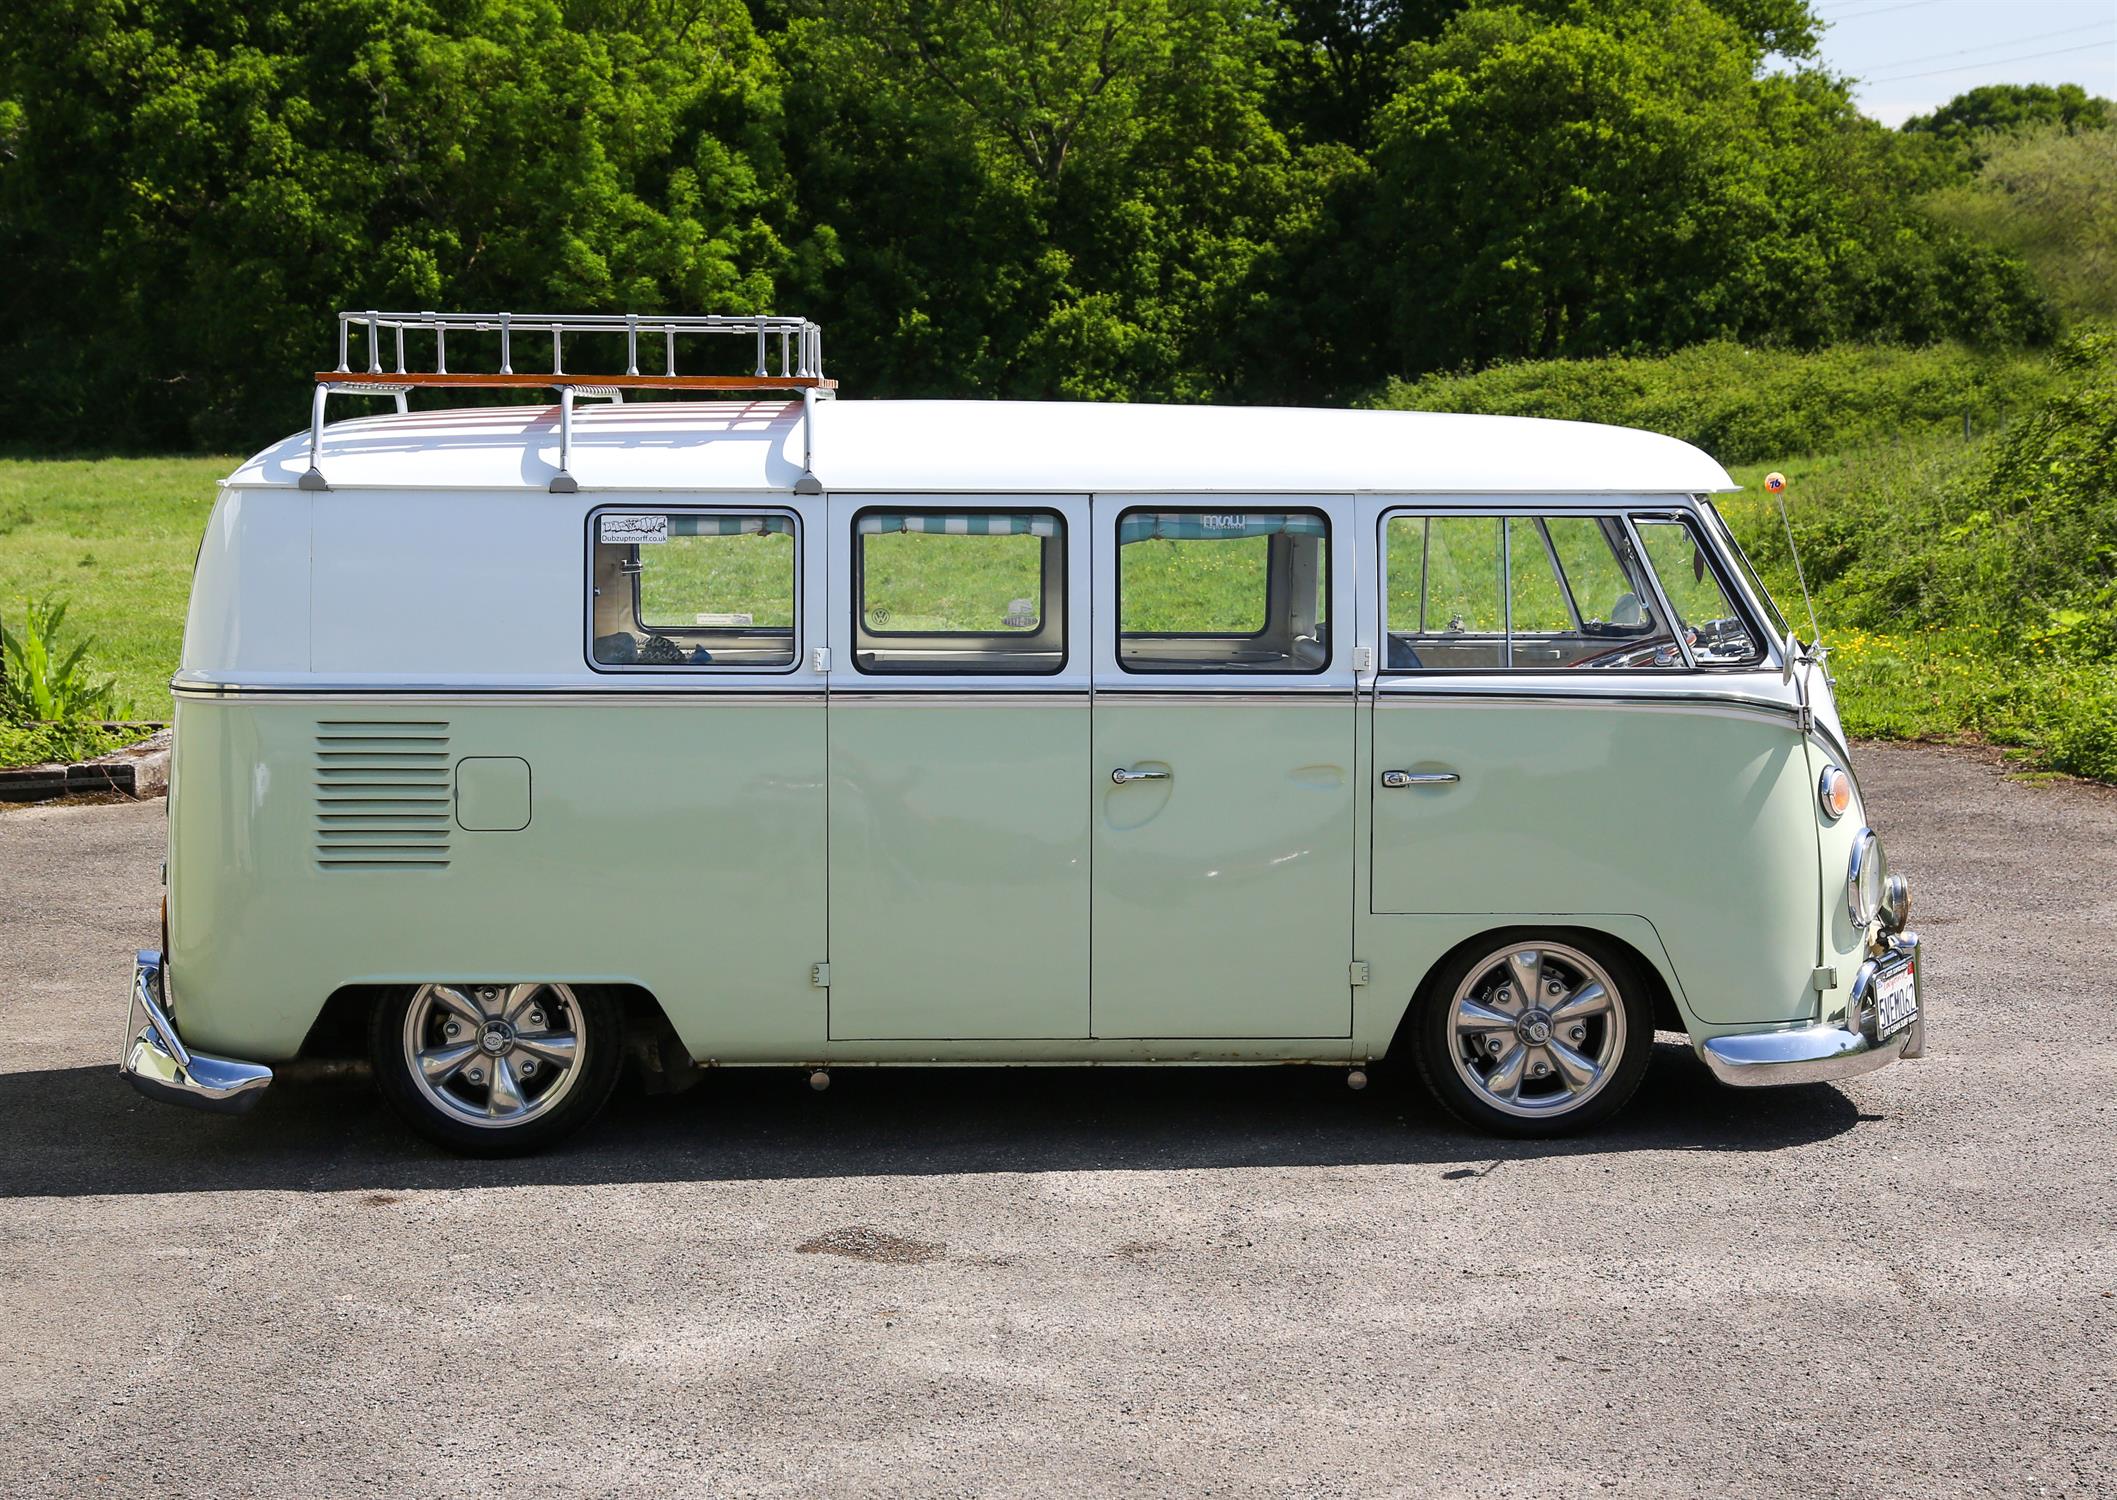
786 355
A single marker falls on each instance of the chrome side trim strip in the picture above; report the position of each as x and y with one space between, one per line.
985 698
1339 696
673 697
750 696
592 693
1692 700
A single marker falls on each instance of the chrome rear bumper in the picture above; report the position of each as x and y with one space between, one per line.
1819 1054
159 1065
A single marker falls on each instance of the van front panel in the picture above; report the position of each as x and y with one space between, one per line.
1692 815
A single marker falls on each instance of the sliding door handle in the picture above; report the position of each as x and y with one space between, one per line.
1419 778
1124 774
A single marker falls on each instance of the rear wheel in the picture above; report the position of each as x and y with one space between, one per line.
496 1069
1528 1035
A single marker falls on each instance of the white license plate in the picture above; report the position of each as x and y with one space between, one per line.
1896 1002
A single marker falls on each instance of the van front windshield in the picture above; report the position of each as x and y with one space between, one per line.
1726 537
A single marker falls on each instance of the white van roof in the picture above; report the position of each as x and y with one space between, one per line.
986 447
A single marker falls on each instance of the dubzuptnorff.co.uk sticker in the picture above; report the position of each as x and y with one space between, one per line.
634 530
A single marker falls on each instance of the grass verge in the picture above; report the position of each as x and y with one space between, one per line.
117 538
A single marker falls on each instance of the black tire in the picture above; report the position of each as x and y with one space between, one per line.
1432 1038
596 1022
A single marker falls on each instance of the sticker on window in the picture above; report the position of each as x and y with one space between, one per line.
634 530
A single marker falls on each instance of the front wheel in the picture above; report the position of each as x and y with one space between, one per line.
1526 1035
496 1069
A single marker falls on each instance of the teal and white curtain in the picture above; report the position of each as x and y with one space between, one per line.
960 523
731 525
1192 526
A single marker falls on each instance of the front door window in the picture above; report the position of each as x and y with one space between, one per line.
1470 593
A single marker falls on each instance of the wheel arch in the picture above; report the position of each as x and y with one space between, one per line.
340 1030
1645 955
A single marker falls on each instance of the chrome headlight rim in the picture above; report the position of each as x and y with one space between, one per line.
1834 780
1895 913
1866 878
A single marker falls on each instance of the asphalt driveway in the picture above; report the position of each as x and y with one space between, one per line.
1128 1281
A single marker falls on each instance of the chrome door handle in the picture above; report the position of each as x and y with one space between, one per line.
1124 774
1418 778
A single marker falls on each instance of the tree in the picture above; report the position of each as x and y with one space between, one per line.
2000 107
1339 60
2048 195
1555 179
1054 197
189 192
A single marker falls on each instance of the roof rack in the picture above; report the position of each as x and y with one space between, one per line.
788 356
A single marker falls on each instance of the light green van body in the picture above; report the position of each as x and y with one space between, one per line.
820 870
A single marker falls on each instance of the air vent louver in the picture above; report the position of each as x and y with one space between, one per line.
383 800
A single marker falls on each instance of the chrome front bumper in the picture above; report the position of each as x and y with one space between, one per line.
160 1066
1819 1054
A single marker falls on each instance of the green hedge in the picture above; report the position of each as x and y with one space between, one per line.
1754 406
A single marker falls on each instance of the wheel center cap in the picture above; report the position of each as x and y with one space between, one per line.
497 1037
1535 1028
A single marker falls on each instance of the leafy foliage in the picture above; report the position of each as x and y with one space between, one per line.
44 680
1154 199
1966 122
37 744
2049 196
1566 181
1080 195
1745 405
2026 540
1974 588
188 189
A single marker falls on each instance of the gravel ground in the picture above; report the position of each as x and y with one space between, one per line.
1185 1281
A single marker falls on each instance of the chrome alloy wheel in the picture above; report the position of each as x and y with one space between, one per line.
1537 1030
493 1055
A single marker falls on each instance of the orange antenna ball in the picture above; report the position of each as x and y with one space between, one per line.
1775 481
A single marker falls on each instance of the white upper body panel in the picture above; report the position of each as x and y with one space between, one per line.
438 556
992 446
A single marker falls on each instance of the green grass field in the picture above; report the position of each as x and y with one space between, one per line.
115 538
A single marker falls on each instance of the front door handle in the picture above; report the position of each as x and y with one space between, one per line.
1124 774
1418 778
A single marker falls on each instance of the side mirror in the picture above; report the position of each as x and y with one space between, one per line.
1789 651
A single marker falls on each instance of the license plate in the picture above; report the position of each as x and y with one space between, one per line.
1896 1001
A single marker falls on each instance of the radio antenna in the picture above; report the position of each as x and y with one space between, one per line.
1775 482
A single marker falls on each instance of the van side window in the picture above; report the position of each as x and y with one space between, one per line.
672 590
1469 593
1223 591
1704 606
955 591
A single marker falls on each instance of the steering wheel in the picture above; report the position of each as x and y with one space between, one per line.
1722 638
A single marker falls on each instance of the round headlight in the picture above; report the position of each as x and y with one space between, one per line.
1834 793
1867 880
1896 903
